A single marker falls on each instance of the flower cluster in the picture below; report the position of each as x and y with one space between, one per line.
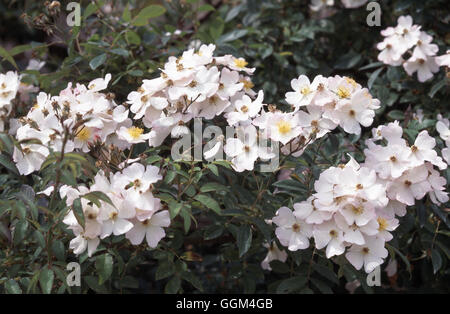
133 210
408 172
355 205
195 85
9 85
328 103
407 37
89 115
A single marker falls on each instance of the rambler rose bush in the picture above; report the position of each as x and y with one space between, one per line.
249 147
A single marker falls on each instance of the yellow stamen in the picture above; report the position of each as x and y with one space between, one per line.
247 84
284 127
343 92
305 90
84 134
135 132
240 63
383 224
350 81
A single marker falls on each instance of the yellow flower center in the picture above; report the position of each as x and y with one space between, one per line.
357 210
113 215
382 223
84 134
350 81
305 90
240 63
247 84
343 92
284 127
135 132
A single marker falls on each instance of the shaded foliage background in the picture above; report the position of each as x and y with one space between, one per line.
215 241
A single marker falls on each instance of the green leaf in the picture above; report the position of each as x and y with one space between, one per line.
20 231
170 176
436 260
213 186
12 287
19 49
174 208
244 239
104 266
436 87
371 66
78 211
90 9
396 115
121 52
213 232
291 185
323 287
6 55
8 164
206 8
213 169
59 250
192 279
97 196
173 285
231 36
97 61
165 269
348 61
186 219
39 238
326 273
133 38
6 143
233 13
292 284
92 283
216 28
147 13
373 77
209 202
46 278
126 15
